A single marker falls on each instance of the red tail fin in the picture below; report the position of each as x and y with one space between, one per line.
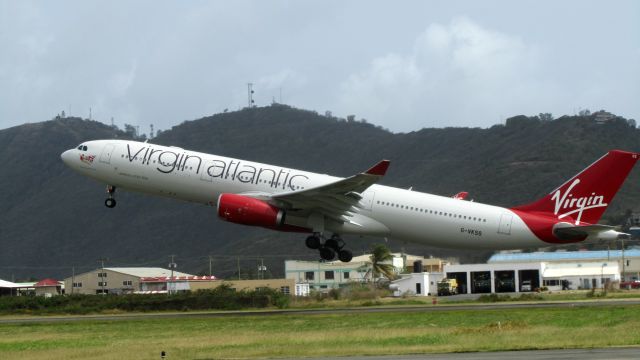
585 197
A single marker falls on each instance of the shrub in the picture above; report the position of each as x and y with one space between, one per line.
220 298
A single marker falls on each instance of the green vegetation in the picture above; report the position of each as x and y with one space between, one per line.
381 265
220 298
299 336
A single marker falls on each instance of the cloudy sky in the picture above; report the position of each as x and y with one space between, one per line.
402 65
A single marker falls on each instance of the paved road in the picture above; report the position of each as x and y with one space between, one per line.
388 309
565 354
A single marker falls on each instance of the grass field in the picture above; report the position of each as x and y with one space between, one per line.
323 335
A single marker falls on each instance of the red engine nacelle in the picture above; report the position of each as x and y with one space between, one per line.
249 211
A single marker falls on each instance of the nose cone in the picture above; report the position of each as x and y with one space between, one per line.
66 157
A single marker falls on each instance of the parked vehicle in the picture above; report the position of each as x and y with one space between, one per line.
630 285
447 287
526 285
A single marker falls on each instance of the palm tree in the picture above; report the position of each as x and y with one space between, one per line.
381 262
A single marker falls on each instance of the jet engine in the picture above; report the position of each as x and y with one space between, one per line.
249 211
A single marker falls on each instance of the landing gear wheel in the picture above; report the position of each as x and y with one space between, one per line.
313 242
110 203
345 255
333 244
327 253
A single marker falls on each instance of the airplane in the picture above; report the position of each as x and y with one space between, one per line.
284 199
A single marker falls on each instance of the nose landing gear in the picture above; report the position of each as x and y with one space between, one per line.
330 247
110 202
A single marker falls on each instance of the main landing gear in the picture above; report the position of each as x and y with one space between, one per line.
110 202
330 247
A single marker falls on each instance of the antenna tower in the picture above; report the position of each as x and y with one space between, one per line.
250 93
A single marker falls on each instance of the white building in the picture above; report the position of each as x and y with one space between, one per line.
504 277
322 276
628 260
585 275
418 284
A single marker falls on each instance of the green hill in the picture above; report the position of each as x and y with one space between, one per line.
54 219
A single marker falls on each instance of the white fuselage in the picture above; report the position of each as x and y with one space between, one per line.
385 211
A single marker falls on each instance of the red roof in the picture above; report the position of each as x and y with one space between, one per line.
47 282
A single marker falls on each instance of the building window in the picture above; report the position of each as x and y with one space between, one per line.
551 282
328 275
77 284
102 283
102 275
346 275
285 290
127 283
308 275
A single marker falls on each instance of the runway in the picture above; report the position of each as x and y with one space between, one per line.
564 354
381 309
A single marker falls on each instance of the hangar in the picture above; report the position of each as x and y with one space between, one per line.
495 278
506 277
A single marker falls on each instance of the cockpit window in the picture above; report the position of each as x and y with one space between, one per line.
80 147
84 148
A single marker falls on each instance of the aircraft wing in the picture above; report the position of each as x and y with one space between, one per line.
336 200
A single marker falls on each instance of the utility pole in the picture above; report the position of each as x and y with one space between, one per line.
73 279
172 266
238 259
210 261
623 261
261 269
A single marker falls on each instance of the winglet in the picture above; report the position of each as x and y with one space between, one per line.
379 169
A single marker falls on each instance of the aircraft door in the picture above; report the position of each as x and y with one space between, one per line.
505 224
105 157
367 199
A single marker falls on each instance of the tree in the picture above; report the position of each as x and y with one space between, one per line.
545 117
130 130
381 262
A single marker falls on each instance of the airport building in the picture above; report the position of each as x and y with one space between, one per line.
8 288
628 261
529 276
323 276
524 272
417 284
115 280
149 280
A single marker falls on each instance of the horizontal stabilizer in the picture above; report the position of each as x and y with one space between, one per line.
590 232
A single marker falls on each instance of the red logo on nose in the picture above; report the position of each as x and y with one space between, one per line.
87 159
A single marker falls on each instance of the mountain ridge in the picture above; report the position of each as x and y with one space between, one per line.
54 219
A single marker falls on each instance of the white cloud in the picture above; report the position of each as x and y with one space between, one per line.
122 80
452 73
